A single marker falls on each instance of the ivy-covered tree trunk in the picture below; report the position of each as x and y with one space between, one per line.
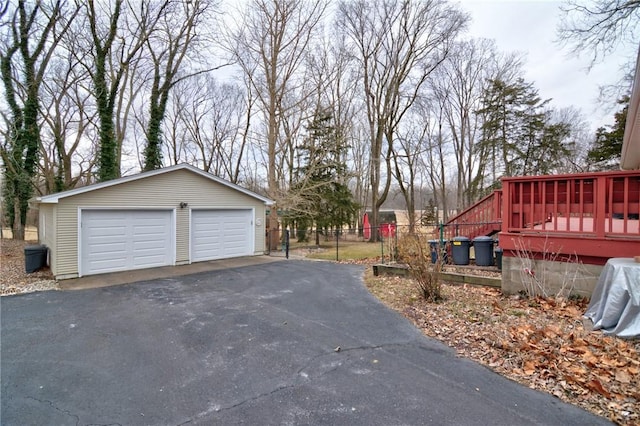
107 156
105 92
153 150
33 40
112 64
20 158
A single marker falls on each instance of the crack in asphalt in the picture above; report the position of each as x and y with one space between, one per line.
100 424
68 413
52 405
297 380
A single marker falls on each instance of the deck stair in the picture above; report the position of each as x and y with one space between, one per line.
484 218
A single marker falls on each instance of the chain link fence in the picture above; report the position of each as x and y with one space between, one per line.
379 244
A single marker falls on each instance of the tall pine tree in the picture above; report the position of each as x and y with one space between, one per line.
519 136
319 194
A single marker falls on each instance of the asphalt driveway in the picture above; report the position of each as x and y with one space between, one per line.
254 345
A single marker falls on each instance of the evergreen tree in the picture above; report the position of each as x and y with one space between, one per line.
606 150
319 194
501 114
518 135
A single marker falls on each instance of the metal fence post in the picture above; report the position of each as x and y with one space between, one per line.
287 243
381 245
395 249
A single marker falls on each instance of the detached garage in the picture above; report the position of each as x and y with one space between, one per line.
171 216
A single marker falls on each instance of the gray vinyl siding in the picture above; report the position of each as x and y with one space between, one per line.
162 191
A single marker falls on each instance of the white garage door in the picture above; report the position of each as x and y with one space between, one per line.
120 240
218 234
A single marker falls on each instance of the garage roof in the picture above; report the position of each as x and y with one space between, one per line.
54 198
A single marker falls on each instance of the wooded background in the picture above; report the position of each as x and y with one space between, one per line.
327 107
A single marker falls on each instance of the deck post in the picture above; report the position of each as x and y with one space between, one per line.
600 216
506 205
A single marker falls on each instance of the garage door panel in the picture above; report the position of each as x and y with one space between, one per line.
114 240
234 245
153 244
150 259
99 266
218 234
211 245
107 248
148 231
108 231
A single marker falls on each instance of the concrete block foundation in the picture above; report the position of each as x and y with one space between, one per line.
549 278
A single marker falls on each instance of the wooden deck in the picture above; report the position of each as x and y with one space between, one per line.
593 216
588 225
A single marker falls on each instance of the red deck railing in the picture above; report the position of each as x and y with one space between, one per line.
590 214
482 218
601 205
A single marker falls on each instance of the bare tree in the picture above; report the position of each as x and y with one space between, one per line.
269 45
407 157
116 37
213 117
599 28
580 139
173 42
177 146
67 113
599 25
398 45
436 143
30 37
461 79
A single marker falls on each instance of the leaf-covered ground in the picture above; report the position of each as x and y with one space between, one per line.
540 343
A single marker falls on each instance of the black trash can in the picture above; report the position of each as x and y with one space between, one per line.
483 247
35 257
499 257
460 250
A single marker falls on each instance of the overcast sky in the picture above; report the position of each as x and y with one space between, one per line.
530 27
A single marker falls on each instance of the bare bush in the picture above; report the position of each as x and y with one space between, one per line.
535 274
413 250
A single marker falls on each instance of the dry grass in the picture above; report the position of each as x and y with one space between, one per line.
347 250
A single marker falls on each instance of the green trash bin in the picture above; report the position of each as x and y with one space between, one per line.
460 250
35 257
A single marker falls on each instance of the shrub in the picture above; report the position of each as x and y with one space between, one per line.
413 250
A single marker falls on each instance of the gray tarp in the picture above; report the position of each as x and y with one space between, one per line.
615 302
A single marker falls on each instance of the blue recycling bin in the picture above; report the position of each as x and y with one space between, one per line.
483 247
460 250
434 247
438 252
